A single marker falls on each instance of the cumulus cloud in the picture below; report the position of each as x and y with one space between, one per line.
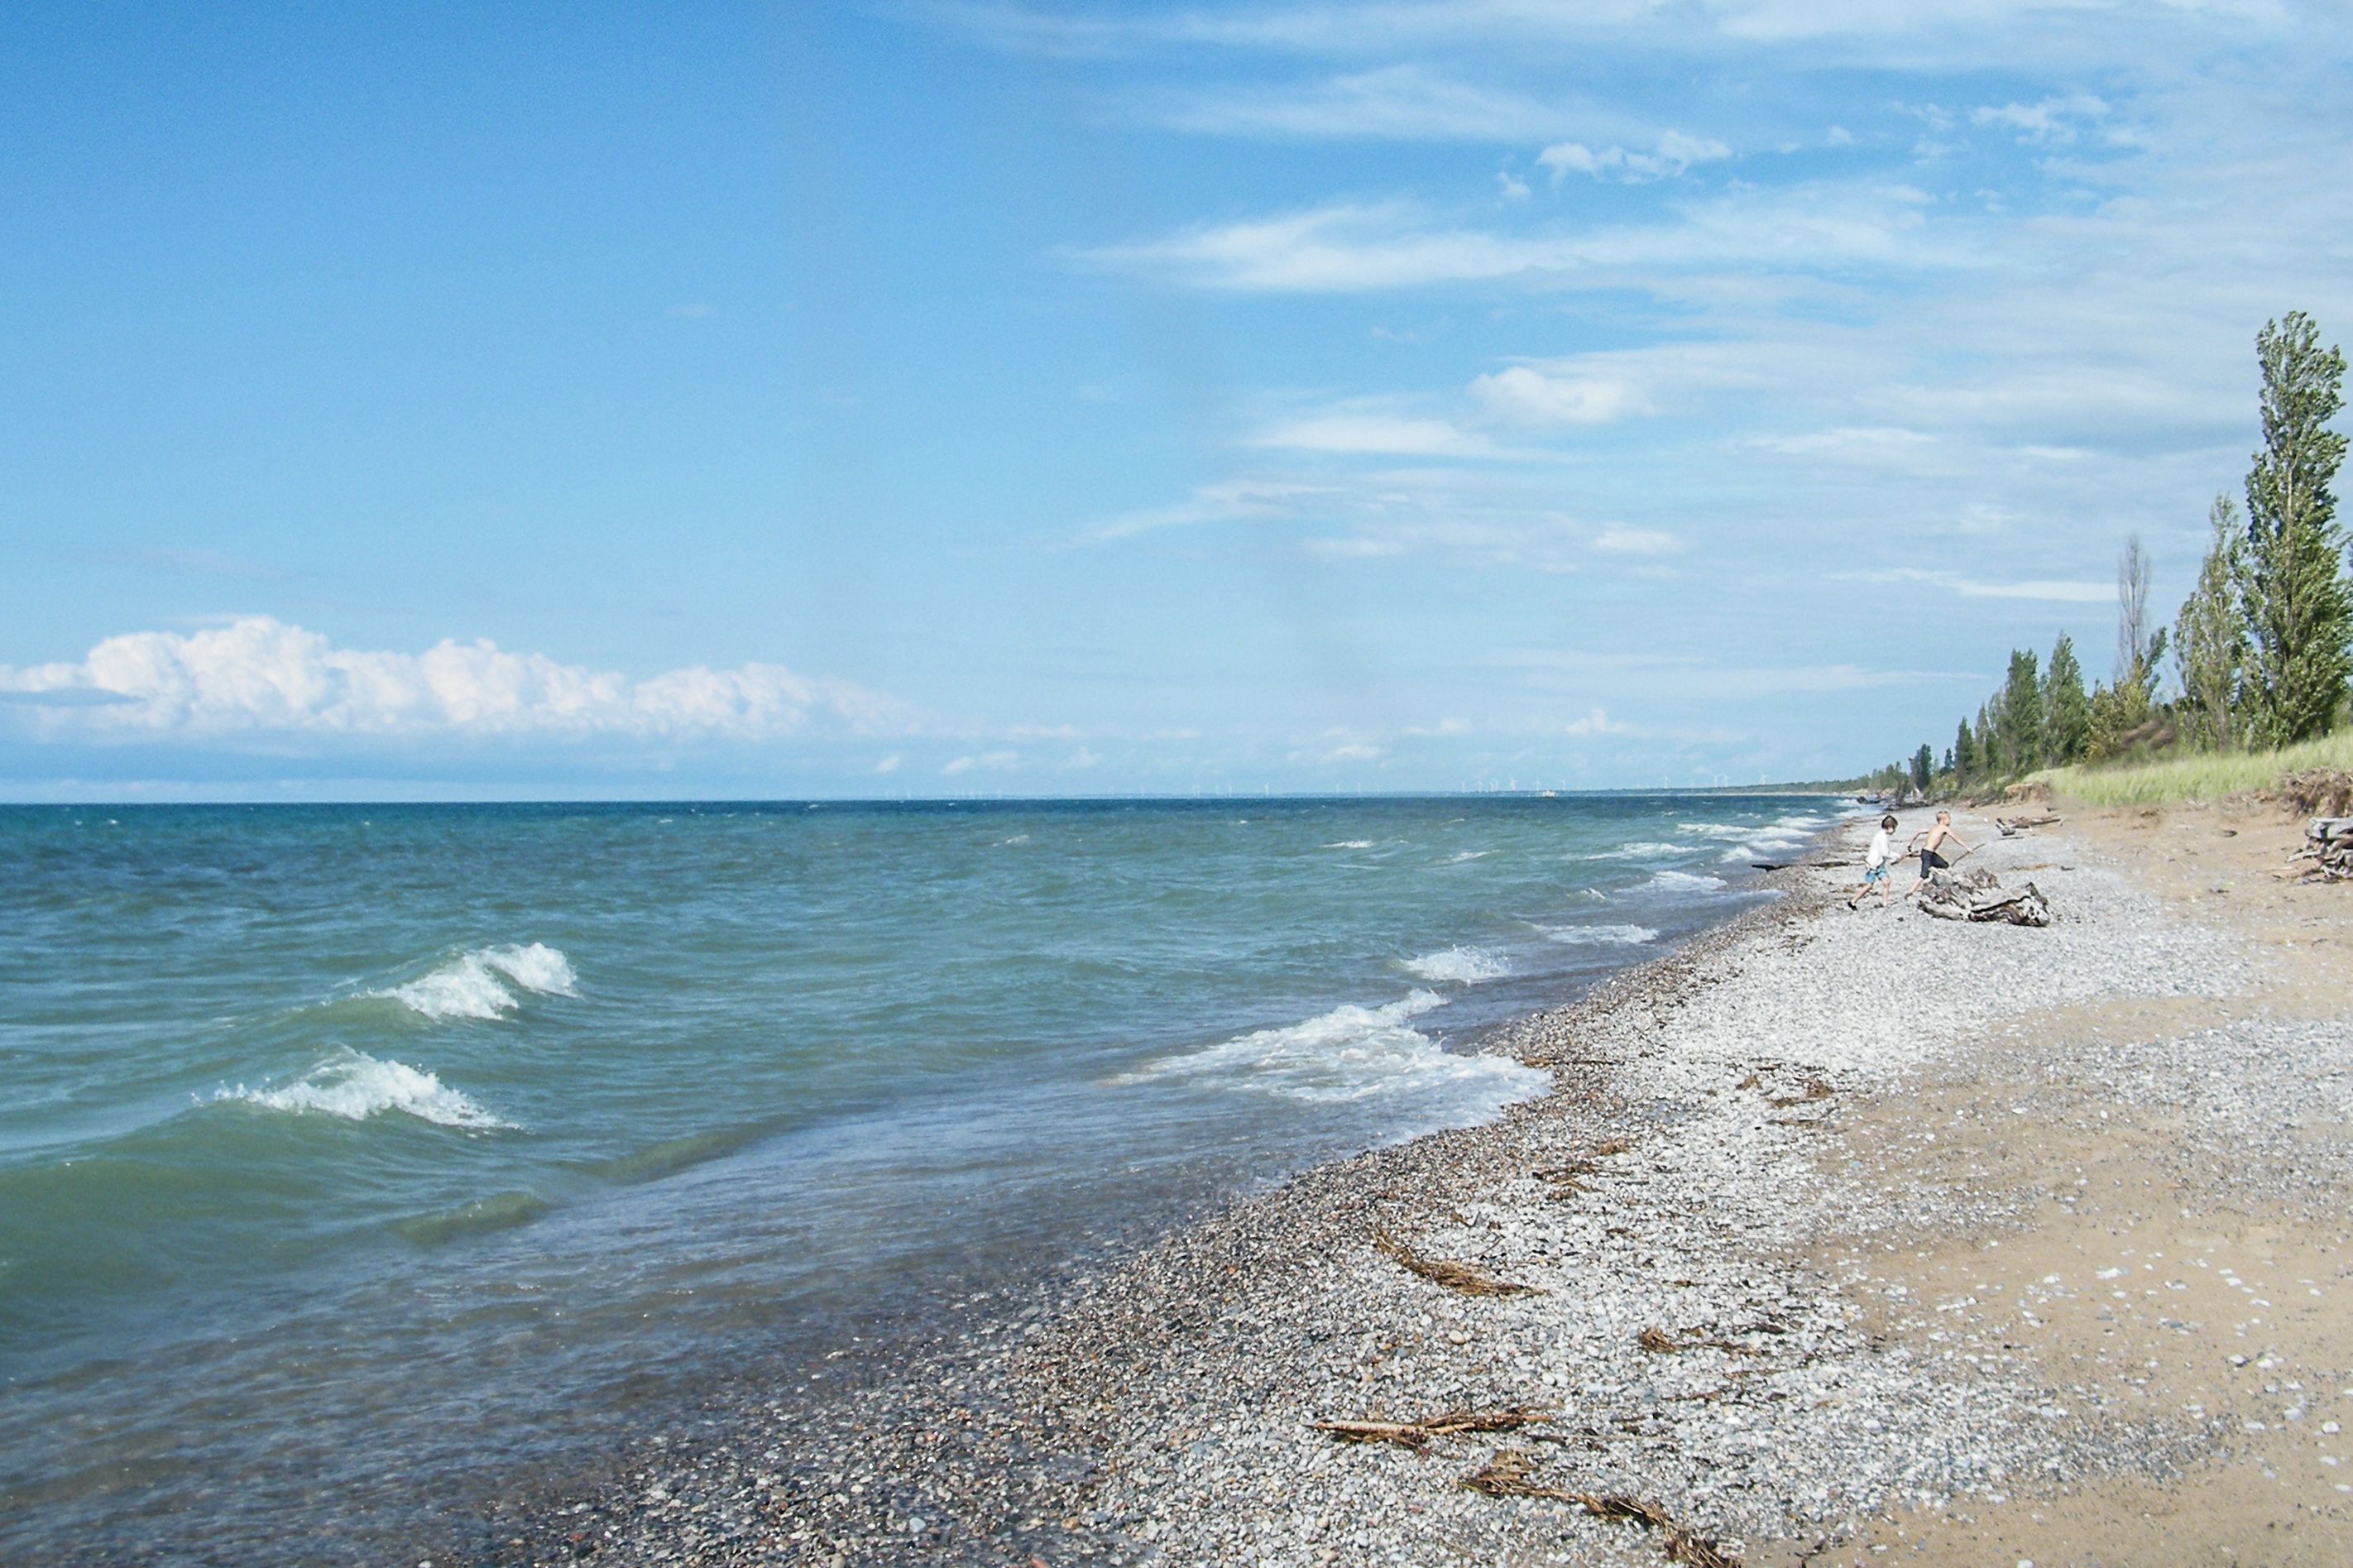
257 676
1596 722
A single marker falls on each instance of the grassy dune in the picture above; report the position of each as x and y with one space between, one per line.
2206 776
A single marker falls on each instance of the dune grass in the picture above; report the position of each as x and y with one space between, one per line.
2200 776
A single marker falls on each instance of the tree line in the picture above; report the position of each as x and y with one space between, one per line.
2261 650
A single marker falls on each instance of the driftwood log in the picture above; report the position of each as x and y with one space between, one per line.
1978 896
2012 826
2328 849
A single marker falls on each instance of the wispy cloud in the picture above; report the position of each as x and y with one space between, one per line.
1397 102
1353 248
2054 120
1366 432
1618 539
2053 589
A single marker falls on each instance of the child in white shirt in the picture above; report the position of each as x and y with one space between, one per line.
1877 862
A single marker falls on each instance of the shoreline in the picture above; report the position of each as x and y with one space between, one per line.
1710 1205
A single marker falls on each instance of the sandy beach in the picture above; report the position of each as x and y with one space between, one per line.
1843 1237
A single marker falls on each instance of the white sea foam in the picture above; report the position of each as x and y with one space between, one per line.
1684 881
1595 936
1351 843
355 1085
1715 829
1464 966
1641 851
1354 1054
474 985
1470 855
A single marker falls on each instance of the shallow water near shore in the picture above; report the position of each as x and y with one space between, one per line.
352 1156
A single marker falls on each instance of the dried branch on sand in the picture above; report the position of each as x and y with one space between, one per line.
1417 1435
1511 1475
2329 844
1658 1342
2010 826
1466 1277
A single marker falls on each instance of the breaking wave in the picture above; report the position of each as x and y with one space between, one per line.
1464 966
475 985
1641 851
1353 1054
355 1085
1685 882
1597 936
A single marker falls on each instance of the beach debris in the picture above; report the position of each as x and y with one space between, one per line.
1511 1473
2329 846
2012 826
1468 1279
2319 793
1659 1342
1417 1435
1816 1089
1978 896
1564 1177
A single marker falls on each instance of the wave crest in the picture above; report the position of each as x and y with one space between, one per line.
1353 1054
355 1085
1463 965
475 984
1595 936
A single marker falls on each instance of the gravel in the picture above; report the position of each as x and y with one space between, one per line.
1158 1410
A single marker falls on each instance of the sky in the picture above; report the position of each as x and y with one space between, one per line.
956 398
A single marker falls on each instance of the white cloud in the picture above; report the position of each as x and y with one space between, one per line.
1675 156
1510 186
2056 590
1398 102
1351 247
1353 751
1528 396
256 674
889 764
1848 443
1369 433
1596 722
986 762
2055 119
1618 539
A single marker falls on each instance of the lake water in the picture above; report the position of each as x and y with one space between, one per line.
351 1156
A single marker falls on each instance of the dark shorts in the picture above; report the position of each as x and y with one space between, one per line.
1931 861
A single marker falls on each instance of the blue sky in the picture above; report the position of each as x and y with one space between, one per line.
1059 399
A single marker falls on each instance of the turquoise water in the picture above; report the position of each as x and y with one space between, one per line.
350 1153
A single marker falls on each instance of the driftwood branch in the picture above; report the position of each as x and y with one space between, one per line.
1510 1474
2012 826
1468 1279
1417 1435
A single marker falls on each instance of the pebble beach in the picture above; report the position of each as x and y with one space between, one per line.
1841 1237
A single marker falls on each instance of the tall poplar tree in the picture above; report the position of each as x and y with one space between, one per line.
2209 638
2021 719
2297 607
2067 711
1964 754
